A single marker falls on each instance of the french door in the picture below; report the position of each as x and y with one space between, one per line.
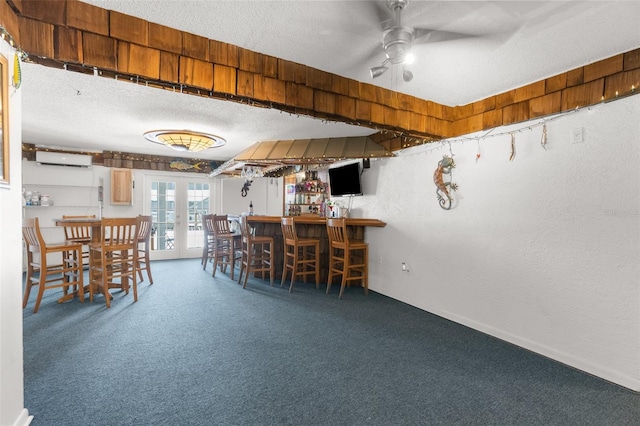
176 206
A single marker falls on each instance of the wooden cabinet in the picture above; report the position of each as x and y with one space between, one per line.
121 187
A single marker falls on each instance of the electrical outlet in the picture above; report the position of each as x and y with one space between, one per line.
405 267
577 135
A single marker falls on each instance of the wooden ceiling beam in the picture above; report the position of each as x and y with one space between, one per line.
81 36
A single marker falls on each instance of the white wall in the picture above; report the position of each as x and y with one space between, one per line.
542 251
267 195
12 411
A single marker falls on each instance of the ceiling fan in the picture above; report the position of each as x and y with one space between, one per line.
397 40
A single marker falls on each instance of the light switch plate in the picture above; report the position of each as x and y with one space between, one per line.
577 135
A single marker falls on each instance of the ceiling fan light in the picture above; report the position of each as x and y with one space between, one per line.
378 71
409 58
407 75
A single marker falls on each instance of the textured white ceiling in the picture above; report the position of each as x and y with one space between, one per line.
509 44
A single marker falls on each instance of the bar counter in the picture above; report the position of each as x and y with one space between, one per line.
309 226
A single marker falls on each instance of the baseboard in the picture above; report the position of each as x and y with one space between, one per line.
570 360
24 419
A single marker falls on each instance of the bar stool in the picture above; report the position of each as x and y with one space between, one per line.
143 246
298 257
115 256
76 233
257 253
346 256
224 245
66 274
208 246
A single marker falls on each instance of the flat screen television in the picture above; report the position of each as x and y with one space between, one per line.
345 180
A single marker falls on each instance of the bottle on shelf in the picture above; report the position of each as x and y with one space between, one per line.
250 208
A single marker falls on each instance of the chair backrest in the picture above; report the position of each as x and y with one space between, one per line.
337 230
245 229
119 233
221 225
207 224
289 230
32 236
143 226
74 232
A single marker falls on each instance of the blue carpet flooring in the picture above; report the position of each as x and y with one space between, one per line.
197 350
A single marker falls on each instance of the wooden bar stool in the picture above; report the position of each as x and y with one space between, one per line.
143 246
257 253
67 273
346 256
208 247
224 245
79 233
298 257
115 258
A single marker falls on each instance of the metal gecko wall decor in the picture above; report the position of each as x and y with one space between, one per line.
443 189
245 188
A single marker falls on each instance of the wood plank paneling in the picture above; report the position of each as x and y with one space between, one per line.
99 51
631 60
52 12
224 79
575 77
195 46
545 105
245 84
318 79
582 95
504 99
298 95
87 17
492 119
324 101
68 44
269 66
36 37
515 113
165 38
622 83
363 110
138 60
194 72
224 53
268 89
250 61
169 64
555 83
346 106
603 68
9 21
128 28
529 91
339 85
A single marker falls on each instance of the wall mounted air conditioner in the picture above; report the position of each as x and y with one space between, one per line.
63 159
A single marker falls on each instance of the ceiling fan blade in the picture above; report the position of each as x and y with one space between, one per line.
425 35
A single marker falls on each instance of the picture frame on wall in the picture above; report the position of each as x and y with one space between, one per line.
4 121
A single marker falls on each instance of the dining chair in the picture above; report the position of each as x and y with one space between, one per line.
144 225
117 264
257 253
225 253
346 256
208 245
47 275
301 255
79 233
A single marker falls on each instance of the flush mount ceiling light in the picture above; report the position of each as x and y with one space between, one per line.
185 140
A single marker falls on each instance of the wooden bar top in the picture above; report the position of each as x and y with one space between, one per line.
317 220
